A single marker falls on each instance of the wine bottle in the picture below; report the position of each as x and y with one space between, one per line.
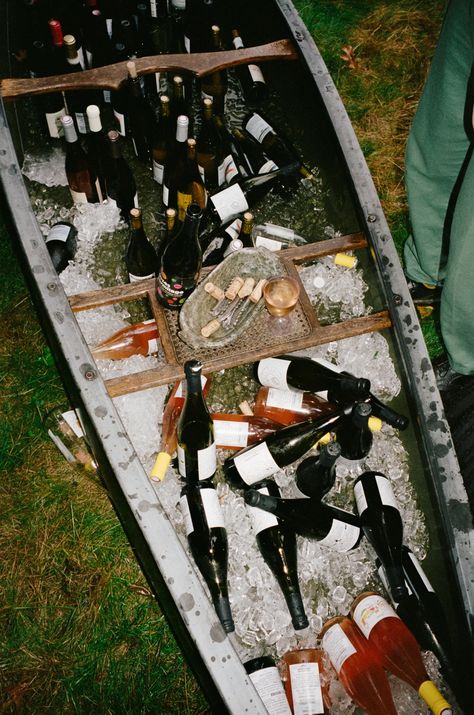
181 262
238 431
51 105
263 459
140 116
77 101
214 84
235 166
289 406
187 184
96 146
81 178
58 61
99 49
357 666
207 539
315 476
137 339
195 431
65 431
263 673
216 242
354 434
175 161
335 528
180 104
140 258
250 76
199 18
69 15
396 647
121 187
154 39
61 244
277 544
209 149
258 161
379 409
245 234
162 139
312 374
383 527
305 682
275 237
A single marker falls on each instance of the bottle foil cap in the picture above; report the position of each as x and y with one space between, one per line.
161 465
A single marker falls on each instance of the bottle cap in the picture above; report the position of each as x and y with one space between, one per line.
56 32
433 698
93 117
161 465
132 69
69 40
375 423
343 259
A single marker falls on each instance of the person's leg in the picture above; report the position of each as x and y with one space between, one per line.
437 144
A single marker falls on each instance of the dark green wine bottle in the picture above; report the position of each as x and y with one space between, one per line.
140 258
315 476
354 434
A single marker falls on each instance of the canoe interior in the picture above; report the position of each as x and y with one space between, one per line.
310 113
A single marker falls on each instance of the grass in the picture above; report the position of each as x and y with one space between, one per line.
80 629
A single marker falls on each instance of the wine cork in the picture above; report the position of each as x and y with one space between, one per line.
158 471
210 328
343 259
325 439
257 292
375 424
245 408
433 698
214 291
132 69
246 288
234 287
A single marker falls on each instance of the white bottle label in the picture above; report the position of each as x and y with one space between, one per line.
166 194
385 490
158 171
107 96
272 372
268 166
133 279
53 120
341 536
153 11
161 82
60 232
269 243
370 610
179 4
237 42
228 433
229 167
108 22
206 458
187 44
121 122
256 464
72 420
269 686
81 121
285 399
233 230
258 127
261 519
89 58
152 346
306 689
230 202
79 197
212 510
257 76
338 646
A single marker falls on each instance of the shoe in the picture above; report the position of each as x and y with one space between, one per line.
425 297
447 378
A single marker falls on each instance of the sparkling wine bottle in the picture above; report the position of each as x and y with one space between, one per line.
209 149
289 406
234 431
61 244
207 539
354 434
119 180
195 431
214 85
304 680
162 139
187 185
383 527
277 544
264 675
140 258
181 262
315 476
357 666
137 339
250 76
396 647
263 459
335 528
81 177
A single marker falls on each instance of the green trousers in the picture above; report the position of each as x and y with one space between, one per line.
438 159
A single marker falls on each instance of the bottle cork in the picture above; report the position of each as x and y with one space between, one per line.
343 259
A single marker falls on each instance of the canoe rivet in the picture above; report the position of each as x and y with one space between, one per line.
90 375
397 299
52 287
371 218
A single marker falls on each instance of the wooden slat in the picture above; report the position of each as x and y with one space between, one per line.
112 76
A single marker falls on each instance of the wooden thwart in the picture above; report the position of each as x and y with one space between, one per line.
172 370
111 77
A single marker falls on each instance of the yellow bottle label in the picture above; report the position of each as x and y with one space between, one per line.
433 698
184 200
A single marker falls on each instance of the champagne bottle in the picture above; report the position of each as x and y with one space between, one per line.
51 105
209 149
354 434
396 647
61 244
357 666
263 459
314 375
277 544
250 76
162 139
181 262
335 528
207 539
238 431
305 682
96 146
137 339
77 101
289 406
258 161
263 673
188 184
81 177
216 242
171 413
140 258
195 431
175 161
315 476
383 527
121 187
140 116
214 85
